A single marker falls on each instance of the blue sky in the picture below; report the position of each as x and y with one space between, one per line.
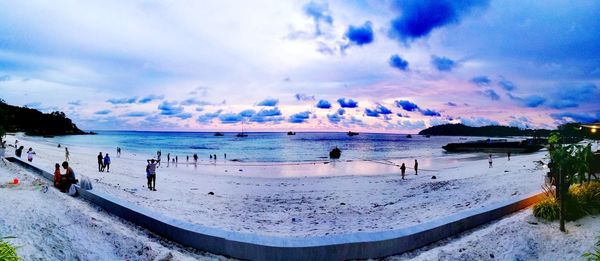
381 66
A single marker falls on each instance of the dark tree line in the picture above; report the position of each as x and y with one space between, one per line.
34 122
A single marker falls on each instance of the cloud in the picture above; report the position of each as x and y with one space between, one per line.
430 113
360 35
103 112
169 108
230 118
419 17
347 103
442 64
383 110
247 113
397 62
304 97
4 78
490 94
268 102
571 95
183 115
320 14
269 112
402 115
438 121
531 101
380 109
199 109
334 118
208 117
300 117
194 101
122 100
75 103
341 111
411 125
136 114
323 104
565 117
481 80
478 122
451 104
521 123
150 98
506 84
406 105
371 113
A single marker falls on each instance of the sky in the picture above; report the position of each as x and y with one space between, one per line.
377 66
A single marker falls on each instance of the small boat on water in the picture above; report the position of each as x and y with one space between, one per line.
291 133
409 136
351 133
494 146
219 134
241 135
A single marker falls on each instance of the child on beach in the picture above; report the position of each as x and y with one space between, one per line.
57 175
66 154
403 169
151 174
30 154
107 162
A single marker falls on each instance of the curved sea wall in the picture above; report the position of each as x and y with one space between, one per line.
361 245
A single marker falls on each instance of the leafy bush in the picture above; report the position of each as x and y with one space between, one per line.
587 197
7 251
547 209
590 256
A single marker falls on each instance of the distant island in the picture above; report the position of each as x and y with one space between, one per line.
486 131
36 123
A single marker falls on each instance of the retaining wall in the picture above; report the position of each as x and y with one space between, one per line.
360 245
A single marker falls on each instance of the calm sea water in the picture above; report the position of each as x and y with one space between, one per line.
264 147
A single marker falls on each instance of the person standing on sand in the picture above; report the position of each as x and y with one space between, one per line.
224 155
66 154
176 159
118 152
490 160
168 157
416 167
107 162
30 154
195 158
151 174
100 162
509 156
187 158
403 169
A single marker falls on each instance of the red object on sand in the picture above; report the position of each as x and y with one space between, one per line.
16 181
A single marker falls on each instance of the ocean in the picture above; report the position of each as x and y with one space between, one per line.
265 146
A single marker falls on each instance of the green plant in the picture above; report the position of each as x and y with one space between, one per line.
7 251
547 209
587 196
590 256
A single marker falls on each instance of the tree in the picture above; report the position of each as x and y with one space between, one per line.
570 162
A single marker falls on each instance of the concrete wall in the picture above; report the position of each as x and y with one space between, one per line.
333 247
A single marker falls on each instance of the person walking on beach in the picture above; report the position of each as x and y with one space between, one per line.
168 157
66 154
195 158
215 157
416 167
176 159
30 154
224 155
158 154
100 162
509 156
187 158
403 169
107 162
490 160
151 174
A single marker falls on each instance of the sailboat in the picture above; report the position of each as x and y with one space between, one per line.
242 134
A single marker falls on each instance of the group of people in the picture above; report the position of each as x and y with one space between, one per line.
103 162
403 169
63 181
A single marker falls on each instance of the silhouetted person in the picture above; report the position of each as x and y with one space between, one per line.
67 154
403 169
416 167
490 160
509 155
168 157
195 158
187 158
224 155
100 162
118 151
19 151
176 159
210 156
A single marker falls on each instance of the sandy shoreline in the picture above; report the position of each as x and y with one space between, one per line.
304 206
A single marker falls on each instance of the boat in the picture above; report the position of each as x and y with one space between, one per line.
409 136
350 133
219 134
494 146
291 133
241 135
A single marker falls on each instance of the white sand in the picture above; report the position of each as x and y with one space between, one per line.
520 236
54 226
303 206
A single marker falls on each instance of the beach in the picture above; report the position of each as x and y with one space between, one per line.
255 198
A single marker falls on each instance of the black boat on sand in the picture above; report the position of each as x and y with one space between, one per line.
494 146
